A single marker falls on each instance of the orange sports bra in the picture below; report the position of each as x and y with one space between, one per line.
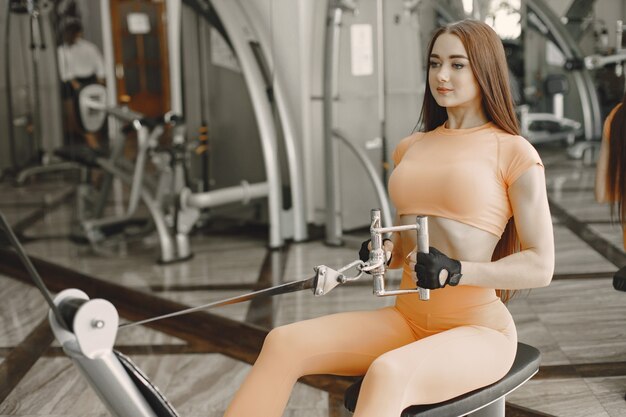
460 174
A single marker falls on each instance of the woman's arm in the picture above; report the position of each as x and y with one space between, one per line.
534 265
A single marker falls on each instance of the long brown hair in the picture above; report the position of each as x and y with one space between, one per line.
616 175
488 63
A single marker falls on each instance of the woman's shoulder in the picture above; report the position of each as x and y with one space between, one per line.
404 144
515 155
412 138
511 141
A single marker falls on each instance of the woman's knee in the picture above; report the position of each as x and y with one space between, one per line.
385 369
284 341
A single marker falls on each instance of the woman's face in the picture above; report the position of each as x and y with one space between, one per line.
70 37
451 80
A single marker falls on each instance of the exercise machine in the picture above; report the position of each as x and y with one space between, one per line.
174 207
32 115
389 91
251 48
97 228
588 151
540 127
87 328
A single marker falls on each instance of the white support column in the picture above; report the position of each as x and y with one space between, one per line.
109 62
239 34
293 149
174 10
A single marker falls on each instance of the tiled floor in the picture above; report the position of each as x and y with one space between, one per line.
577 322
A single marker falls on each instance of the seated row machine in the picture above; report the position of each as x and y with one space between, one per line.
87 329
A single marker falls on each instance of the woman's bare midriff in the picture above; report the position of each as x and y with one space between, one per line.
458 241
455 239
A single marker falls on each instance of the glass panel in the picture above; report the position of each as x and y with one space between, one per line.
152 50
153 76
131 79
129 49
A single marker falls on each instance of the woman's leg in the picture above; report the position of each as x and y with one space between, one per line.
341 344
435 369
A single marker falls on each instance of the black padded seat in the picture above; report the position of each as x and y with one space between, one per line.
81 154
157 401
619 279
526 365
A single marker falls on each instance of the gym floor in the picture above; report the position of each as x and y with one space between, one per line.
199 360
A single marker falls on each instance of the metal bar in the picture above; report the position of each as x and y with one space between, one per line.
242 193
379 186
233 339
165 239
123 113
382 102
333 201
423 246
8 85
17 246
294 154
38 142
288 287
110 381
377 254
109 63
136 180
599 61
140 162
402 228
262 109
174 15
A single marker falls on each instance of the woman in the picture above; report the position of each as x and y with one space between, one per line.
80 64
469 172
610 178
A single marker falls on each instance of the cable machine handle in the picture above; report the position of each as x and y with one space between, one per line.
377 254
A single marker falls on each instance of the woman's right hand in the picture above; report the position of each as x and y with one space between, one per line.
366 247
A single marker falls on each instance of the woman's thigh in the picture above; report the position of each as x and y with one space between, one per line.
439 367
340 344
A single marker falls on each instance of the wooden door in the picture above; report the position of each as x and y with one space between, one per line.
140 48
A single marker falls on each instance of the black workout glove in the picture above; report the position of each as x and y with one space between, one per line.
364 252
428 266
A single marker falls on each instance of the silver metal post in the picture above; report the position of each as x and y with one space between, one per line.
382 99
174 15
292 148
370 169
377 254
619 30
333 198
237 29
109 64
422 246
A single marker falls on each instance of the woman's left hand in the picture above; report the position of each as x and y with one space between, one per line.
435 269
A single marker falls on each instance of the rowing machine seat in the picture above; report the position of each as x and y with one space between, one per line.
484 402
